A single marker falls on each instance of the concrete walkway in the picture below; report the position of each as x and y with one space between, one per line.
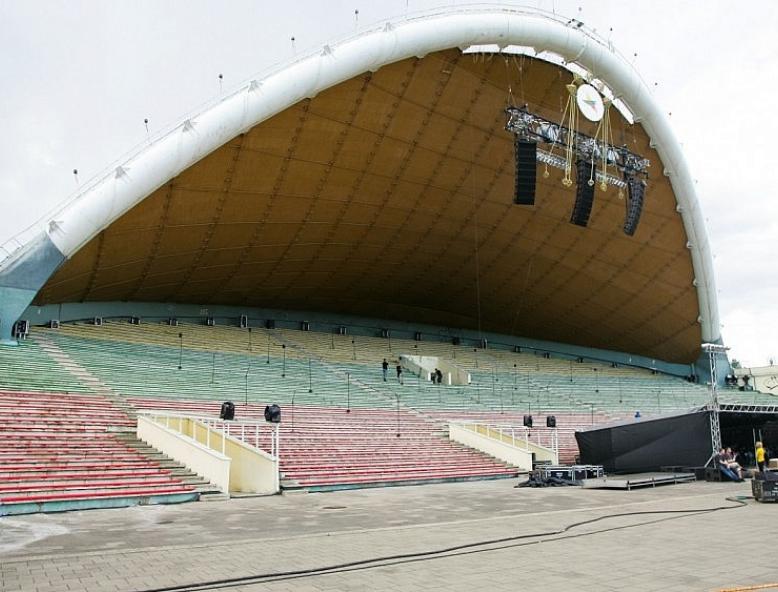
149 548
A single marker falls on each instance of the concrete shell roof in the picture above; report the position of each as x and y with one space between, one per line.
376 178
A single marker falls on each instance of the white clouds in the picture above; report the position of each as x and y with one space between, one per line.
80 77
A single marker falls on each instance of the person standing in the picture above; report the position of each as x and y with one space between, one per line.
385 368
760 456
399 373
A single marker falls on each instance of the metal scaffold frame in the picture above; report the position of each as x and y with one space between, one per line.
713 349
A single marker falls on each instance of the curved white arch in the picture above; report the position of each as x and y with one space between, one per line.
113 195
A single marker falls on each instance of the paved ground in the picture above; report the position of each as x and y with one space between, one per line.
159 547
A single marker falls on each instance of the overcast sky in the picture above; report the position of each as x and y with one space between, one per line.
79 77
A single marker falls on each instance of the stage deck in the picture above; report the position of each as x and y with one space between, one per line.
635 480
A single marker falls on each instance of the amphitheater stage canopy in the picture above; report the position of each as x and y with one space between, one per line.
375 177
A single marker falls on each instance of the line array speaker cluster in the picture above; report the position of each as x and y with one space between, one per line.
636 189
526 172
584 194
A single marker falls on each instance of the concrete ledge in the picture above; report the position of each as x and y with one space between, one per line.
19 508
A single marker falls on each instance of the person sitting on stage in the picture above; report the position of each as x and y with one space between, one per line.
733 464
723 463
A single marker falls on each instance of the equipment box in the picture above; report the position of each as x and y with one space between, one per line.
764 486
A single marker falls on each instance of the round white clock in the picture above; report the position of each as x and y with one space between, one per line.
589 102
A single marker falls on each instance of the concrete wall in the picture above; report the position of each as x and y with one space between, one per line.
424 366
500 446
242 468
210 464
251 470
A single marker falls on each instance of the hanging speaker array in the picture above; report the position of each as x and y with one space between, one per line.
597 162
526 172
584 194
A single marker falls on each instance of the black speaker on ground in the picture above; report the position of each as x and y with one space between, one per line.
385 333
550 421
305 326
527 421
134 320
517 349
172 321
227 411
526 172
636 189
244 321
210 321
270 324
273 413
417 336
456 341
584 194
342 330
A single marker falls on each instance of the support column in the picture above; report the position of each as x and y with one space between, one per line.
22 274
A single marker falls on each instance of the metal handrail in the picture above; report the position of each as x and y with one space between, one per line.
510 431
228 428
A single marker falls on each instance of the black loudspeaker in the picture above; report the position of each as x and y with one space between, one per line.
456 340
526 172
21 329
305 326
54 323
636 189
385 333
273 413
227 411
270 324
517 349
584 194
134 320
342 330
527 421
244 321
210 321
551 421
173 322
417 336
97 321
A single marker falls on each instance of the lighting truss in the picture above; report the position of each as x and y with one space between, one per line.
534 128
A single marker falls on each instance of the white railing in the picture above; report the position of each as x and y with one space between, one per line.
247 431
516 436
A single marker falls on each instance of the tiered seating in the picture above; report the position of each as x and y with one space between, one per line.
324 373
27 367
56 453
136 366
329 448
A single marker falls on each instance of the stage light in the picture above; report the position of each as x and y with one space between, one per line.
636 189
526 172
227 412
584 193
273 413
